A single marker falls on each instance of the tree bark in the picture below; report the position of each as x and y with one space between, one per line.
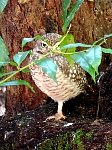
27 18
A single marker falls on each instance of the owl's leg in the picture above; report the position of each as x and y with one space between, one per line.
59 115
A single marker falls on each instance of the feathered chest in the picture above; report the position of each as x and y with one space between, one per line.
69 79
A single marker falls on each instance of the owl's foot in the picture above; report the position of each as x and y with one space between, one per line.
57 117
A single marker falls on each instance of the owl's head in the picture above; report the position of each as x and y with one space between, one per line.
41 47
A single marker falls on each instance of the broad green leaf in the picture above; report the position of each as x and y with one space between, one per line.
4 59
48 66
82 60
71 14
20 56
17 82
74 45
107 50
94 56
65 5
3 4
26 40
67 40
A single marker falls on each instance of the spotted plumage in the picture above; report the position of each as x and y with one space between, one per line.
70 79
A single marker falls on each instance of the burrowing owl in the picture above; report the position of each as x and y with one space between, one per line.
70 79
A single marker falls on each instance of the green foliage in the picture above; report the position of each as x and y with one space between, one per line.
48 66
3 4
106 50
4 59
26 40
67 141
67 40
3 73
74 45
17 82
67 18
65 6
109 146
78 139
20 57
82 60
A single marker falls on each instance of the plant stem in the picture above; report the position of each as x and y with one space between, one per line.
32 63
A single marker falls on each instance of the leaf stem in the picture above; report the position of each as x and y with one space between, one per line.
32 63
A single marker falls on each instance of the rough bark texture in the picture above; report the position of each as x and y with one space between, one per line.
27 18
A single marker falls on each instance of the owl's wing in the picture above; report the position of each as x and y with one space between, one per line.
73 72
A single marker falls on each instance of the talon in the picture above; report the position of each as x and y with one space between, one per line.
57 117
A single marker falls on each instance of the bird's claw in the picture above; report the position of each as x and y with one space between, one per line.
57 117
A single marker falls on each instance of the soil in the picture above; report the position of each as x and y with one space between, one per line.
31 131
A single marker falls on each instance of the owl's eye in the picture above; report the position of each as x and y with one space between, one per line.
43 45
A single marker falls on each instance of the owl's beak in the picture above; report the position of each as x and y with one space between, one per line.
39 52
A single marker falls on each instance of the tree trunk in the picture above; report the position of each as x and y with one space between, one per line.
27 18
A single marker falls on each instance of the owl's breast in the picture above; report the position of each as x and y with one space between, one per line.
60 90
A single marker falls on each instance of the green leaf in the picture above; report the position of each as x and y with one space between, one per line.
26 40
3 4
26 70
13 63
82 60
4 59
103 38
107 50
48 66
65 5
71 14
38 37
18 82
107 36
94 56
74 45
20 56
6 73
67 40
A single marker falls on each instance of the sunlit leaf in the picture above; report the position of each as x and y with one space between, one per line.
26 40
48 66
82 60
4 58
20 56
67 40
94 56
13 63
65 5
3 4
107 50
18 82
71 14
